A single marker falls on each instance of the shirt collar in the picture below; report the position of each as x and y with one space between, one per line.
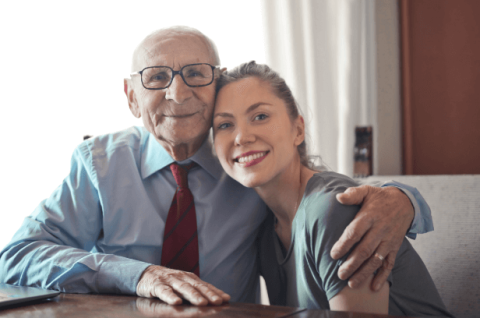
155 158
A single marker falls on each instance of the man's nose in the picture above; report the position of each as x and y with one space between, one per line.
244 135
178 91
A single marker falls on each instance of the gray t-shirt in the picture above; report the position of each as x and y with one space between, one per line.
310 275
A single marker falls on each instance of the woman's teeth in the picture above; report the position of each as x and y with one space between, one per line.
251 157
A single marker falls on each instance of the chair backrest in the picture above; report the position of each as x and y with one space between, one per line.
452 251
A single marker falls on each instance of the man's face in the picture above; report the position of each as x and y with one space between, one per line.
178 114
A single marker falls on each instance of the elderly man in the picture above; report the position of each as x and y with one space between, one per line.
112 226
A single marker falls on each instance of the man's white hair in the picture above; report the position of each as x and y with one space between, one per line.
178 30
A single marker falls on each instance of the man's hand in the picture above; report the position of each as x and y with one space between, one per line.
172 285
380 227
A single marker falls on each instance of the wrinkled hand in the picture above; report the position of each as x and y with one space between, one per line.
380 227
172 285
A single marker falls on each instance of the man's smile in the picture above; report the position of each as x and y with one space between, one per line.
180 116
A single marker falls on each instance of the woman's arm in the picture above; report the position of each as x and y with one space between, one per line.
362 299
380 226
325 221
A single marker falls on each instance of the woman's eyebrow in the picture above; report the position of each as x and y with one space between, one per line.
256 105
223 115
249 109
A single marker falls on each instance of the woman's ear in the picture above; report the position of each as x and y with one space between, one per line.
300 130
131 97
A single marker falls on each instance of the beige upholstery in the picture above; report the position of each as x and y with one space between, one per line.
452 252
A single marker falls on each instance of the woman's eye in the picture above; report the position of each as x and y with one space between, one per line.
223 126
260 117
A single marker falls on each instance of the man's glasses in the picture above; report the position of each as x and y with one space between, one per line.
160 77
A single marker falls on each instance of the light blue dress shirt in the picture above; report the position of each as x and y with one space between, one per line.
104 224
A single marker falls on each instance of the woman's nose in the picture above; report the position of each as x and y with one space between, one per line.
244 136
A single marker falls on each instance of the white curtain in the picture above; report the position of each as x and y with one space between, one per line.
325 50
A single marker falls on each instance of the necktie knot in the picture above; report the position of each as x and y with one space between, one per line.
180 239
180 173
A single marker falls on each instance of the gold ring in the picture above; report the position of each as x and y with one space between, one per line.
380 257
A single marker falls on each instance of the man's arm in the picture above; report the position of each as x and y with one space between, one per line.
379 229
53 248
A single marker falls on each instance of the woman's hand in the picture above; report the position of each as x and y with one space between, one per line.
379 227
172 285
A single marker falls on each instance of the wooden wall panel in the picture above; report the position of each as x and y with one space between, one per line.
440 45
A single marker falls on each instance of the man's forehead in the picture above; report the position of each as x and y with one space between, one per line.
174 51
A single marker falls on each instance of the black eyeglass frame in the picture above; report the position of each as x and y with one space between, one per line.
175 73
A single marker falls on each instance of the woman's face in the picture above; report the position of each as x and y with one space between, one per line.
255 139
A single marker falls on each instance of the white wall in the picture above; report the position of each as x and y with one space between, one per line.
62 66
387 148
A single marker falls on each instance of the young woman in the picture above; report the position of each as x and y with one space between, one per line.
259 139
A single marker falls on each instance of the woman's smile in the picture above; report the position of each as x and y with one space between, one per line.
250 158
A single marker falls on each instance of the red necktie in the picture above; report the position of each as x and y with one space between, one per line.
180 240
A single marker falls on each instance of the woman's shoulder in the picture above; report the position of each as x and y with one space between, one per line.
320 206
329 182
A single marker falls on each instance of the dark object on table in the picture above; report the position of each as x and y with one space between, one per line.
10 294
363 166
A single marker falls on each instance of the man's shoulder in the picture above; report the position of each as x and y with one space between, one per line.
133 138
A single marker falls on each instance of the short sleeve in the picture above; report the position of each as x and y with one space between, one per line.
325 221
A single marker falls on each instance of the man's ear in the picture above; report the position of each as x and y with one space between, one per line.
131 97
300 130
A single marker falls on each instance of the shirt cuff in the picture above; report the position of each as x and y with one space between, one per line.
422 221
120 275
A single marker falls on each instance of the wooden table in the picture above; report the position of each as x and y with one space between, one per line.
115 306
